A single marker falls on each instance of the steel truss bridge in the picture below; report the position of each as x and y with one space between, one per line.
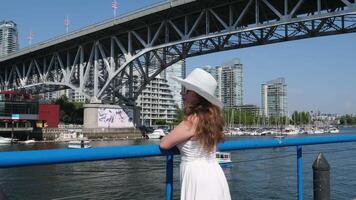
113 61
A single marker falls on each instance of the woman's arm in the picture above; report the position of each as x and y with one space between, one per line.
183 132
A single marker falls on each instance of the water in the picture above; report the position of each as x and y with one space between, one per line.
255 174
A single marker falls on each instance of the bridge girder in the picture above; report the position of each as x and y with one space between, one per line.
119 65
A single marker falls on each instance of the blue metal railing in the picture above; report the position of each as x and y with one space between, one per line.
44 157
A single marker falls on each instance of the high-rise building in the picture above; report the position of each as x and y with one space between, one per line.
229 77
71 94
8 38
178 70
52 96
75 96
159 99
274 98
216 73
156 102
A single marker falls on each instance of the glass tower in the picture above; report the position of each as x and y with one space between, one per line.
274 98
229 77
178 70
8 38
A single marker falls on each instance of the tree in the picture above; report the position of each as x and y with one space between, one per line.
160 122
180 115
70 112
301 118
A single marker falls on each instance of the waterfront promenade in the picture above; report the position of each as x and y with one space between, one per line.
255 174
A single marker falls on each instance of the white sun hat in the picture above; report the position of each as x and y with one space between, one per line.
202 83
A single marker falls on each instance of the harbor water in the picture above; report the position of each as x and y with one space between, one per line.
254 174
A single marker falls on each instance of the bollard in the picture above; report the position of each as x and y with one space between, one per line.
2 195
321 178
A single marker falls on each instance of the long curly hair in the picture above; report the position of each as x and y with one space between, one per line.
210 126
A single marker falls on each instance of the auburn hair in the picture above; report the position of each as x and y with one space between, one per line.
210 125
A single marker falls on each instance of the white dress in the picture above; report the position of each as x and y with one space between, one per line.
200 174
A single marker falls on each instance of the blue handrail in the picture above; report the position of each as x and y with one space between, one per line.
56 156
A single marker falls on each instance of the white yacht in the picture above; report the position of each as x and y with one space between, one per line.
279 137
318 131
79 144
156 134
27 142
334 130
233 131
290 130
4 140
223 157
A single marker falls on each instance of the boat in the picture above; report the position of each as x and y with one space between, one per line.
223 157
279 137
290 130
79 144
27 142
4 140
156 134
334 130
234 131
318 131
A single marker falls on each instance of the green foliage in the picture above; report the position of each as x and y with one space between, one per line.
179 117
235 116
348 120
301 118
70 112
160 122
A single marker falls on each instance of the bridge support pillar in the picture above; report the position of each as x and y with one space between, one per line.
108 121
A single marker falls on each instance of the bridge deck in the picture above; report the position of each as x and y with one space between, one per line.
122 23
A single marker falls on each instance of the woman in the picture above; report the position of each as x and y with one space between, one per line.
196 137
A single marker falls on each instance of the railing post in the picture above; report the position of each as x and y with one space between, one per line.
300 172
169 177
2 195
321 178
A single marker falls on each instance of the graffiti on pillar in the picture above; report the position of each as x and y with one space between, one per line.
113 118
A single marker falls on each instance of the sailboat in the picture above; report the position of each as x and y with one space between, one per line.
230 129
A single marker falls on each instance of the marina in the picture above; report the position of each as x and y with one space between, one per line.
287 130
269 171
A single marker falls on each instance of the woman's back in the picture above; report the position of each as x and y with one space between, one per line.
201 176
192 150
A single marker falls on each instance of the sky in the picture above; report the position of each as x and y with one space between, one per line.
320 72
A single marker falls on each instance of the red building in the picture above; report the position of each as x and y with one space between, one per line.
49 114
20 107
17 107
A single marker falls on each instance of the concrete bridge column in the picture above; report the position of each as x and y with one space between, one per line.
104 121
